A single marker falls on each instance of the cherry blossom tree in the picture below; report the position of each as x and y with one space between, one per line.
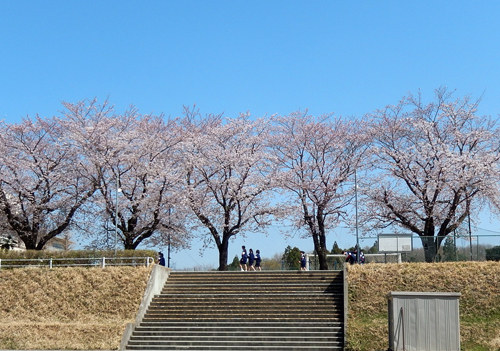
228 177
43 180
317 157
133 159
433 164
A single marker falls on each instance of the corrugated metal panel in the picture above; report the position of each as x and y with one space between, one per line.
424 321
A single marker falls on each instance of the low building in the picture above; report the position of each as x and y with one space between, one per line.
11 242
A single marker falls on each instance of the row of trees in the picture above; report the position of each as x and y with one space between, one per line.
420 167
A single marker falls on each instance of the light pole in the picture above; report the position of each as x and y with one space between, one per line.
169 228
470 230
470 236
116 210
168 252
356 206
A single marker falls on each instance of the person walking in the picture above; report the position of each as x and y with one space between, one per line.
243 260
251 259
303 261
161 259
350 257
257 260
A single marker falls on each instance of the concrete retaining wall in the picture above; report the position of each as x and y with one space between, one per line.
157 279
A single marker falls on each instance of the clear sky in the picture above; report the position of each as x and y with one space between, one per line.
266 57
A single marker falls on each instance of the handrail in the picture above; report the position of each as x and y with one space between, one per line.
76 262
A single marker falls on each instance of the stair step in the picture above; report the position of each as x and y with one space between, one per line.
242 320
246 284
244 306
268 296
285 347
268 324
226 311
234 342
253 298
236 338
276 304
252 313
234 331
254 317
233 291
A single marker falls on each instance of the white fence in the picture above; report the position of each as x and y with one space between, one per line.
101 262
373 258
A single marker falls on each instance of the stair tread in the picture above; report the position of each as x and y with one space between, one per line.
217 311
269 324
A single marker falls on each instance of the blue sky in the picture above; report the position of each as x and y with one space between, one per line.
266 57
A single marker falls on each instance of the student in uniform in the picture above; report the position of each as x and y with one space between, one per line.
161 259
303 261
243 260
350 257
257 260
251 259
361 257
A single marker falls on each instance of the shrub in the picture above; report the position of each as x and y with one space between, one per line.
493 254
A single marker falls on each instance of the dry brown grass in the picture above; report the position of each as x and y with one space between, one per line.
68 308
87 309
478 283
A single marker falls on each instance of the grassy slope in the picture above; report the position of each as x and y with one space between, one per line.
478 283
68 308
79 308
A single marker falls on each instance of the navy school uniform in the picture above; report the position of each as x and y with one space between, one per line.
244 257
257 260
251 258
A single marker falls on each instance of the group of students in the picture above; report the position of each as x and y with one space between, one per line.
352 257
249 259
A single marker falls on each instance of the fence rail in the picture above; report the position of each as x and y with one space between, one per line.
101 262
336 261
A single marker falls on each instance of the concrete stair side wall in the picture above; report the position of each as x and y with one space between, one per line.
156 282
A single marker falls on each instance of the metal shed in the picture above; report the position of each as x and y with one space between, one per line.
423 321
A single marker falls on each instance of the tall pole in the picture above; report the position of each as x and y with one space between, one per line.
169 225
356 206
468 216
470 237
455 243
168 253
116 211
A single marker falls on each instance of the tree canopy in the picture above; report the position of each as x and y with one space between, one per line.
432 165
149 179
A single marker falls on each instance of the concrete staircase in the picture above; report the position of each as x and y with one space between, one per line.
268 310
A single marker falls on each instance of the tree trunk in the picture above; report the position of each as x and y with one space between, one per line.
323 265
318 234
223 248
431 247
319 247
129 245
29 240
